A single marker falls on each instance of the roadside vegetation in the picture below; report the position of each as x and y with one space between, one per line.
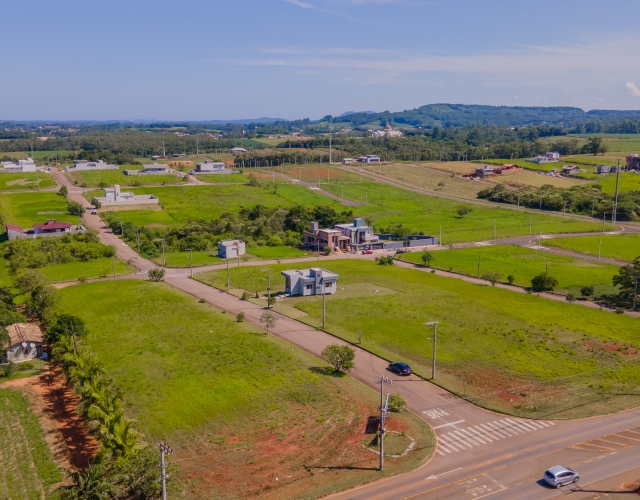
211 387
514 352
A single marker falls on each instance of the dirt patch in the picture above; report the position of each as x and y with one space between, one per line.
55 404
21 182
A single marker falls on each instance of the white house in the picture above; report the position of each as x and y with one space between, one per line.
387 132
553 155
212 167
236 151
358 234
26 342
51 227
310 282
80 165
570 170
113 196
368 159
230 249
27 165
153 168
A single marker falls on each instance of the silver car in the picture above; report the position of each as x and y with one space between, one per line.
560 476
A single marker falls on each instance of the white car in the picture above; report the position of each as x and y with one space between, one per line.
560 476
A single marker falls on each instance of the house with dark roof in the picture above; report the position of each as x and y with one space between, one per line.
51 227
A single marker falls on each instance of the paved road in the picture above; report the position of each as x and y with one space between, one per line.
479 453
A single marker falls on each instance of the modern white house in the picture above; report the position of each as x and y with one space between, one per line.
310 282
114 196
368 159
83 165
553 155
211 167
358 235
9 167
235 151
26 342
153 168
231 249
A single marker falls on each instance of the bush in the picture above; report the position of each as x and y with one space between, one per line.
543 283
619 310
587 291
63 191
492 277
156 275
240 317
245 296
463 210
571 298
511 279
75 208
385 260
396 402
341 357
427 257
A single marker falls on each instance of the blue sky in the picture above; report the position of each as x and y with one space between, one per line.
227 59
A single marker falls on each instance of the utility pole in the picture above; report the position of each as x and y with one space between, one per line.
191 260
614 215
324 305
164 262
268 284
121 227
164 449
330 151
138 237
479 255
635 294
113 262
599 245
495 229
440 240
434 324
228 280
384 407
604 220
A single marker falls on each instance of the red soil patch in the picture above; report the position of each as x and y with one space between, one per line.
59 404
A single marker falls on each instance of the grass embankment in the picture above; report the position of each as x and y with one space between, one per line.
514 352
25 181
27 209
111 177
238 407
27 470
523 264
620 247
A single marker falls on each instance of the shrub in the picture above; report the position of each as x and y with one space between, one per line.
245 296
543 283
240 317
63 191
341 357
427 257
619 310
75 208
396 402
511 279
156 275
492 277
463 210
385 260
571 298
587 291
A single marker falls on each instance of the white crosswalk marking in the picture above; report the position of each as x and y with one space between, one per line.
452 439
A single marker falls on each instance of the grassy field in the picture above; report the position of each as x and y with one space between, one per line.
14 155
98 268
182 259
27 470
24 181
48 154
620 247
523 264
238 407
629 181
387 205
276 252
515 352
27 209
111 177
220 178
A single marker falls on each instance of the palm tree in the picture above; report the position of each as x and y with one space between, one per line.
94 484
119 436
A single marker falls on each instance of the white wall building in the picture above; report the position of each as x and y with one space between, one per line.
310 282
82 165
231 249
368 159
212 167
114 196
27 165
235 151
153 168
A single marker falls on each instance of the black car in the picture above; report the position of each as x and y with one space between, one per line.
400 368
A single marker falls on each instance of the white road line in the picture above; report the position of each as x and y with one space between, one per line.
455 445
510 427
523 424
447 425
439 452
466 439
494 432
481 433
447 450
472 436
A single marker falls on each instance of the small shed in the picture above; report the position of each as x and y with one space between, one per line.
26 342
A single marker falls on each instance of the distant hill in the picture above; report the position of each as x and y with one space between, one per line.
444 115
356 112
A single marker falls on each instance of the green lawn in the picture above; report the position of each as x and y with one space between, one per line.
194 378
219 178
26 466
24 181
50 154
490 339
523 264
621 247
629 181
111 177
98 268
277 252
27 209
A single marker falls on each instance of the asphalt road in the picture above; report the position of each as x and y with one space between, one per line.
479 453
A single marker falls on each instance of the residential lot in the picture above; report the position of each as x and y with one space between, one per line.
27 209
25 181
517 353
620 247
240 408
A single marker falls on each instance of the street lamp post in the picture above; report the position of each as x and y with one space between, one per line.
434 324
191 260
384 406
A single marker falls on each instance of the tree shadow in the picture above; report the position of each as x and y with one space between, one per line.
327 371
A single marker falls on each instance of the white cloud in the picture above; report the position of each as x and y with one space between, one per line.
303 4
632 89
